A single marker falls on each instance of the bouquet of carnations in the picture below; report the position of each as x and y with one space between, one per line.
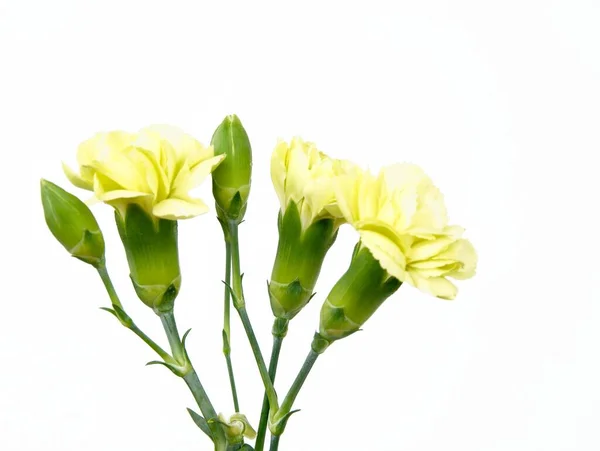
146 177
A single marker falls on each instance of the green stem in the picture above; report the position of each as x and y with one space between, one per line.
160 351
235 262
227 327
110 289
274 443
264 413
239 304
260 361
288 401
192 380
124 318
168 322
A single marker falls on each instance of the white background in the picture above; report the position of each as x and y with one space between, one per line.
498 101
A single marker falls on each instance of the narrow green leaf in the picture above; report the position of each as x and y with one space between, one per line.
200 422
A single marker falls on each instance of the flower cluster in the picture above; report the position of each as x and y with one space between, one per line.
148 177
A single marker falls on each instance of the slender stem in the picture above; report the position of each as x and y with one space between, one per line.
226 296
192 380
110 289
160 351
264 413
235 261
226 325
239 304
236 404
289 399
168 322
260 361
274 443
179 354
124 318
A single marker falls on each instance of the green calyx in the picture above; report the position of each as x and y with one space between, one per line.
300 255
356 296
72 223
153 257
231 180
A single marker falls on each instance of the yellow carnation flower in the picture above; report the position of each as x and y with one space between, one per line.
401 218
303 174
154 168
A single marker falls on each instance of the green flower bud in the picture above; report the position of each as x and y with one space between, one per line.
72 224
237 428
231 180
298 261
152 253
356 296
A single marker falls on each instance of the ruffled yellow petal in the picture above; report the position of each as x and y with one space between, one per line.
76 179
303 174
155 168
389 255
179 208
401 218
437 286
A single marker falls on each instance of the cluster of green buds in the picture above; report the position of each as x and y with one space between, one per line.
231 180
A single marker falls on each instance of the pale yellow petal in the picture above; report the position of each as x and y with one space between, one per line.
188 179
174 208
386 252
279 171
425 249
297 175
110 196
464 253
76 179
437 286
345 189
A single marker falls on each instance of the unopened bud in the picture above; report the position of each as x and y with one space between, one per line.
72 224
237 428
231 180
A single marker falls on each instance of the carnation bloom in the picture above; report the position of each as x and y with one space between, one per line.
154 168
401 218
309 220
303 174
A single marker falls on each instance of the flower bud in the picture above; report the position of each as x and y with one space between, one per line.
72 224
237 428
231 180
356 296
152 253
300 255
